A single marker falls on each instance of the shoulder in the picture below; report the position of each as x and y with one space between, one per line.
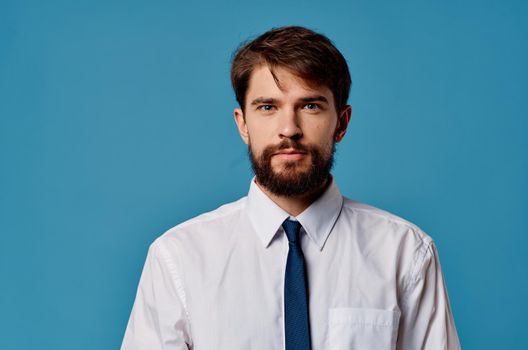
395 238
204 227
377 221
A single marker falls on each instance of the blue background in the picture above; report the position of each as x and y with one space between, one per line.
116 124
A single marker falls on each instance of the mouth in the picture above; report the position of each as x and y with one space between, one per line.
290 154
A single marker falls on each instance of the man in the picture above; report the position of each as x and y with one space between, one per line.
294 265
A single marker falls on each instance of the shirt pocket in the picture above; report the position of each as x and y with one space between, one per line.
360 329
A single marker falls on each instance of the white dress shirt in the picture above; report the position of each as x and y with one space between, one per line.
216 281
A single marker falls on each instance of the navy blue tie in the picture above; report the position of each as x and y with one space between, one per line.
296 319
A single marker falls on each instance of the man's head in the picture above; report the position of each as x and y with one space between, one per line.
292 85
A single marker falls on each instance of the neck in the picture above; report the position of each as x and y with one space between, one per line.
296 204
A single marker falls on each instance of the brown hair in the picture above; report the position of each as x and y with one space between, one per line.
305 53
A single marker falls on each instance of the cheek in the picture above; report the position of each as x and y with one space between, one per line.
323 134
261 138
257 145
259 131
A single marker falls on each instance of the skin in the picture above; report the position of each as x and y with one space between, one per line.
294 110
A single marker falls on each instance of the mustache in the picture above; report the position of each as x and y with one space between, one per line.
285 144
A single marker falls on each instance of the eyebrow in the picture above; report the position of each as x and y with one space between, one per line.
264 100
319 98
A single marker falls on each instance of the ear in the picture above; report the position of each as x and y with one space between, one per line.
240 121
342 123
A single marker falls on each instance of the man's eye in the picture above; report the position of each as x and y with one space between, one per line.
265 107
311 106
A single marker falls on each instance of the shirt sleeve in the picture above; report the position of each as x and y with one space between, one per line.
158 319
427 321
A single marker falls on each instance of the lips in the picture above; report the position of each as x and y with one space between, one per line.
289 151
290 154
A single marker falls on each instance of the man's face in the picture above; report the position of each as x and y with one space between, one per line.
290 131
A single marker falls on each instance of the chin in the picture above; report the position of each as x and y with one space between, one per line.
291 171
282 165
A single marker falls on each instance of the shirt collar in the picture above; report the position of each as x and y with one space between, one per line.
317 220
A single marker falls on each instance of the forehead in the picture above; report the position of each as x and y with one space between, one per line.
282 82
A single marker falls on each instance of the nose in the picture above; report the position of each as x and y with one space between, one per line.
289 125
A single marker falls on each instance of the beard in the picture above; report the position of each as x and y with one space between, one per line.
292 181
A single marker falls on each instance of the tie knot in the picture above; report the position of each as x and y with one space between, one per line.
292 229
